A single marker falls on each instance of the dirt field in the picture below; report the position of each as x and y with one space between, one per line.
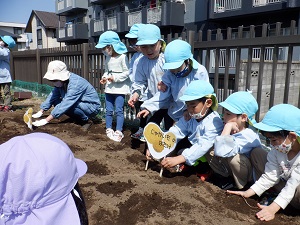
118 191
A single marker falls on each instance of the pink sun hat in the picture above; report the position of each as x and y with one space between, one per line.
37 174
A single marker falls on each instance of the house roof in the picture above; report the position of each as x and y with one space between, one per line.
49 20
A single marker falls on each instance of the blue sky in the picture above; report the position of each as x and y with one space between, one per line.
18 11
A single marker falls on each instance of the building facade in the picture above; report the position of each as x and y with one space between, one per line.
86 20
42 26
17 31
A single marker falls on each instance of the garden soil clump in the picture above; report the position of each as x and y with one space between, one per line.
118 190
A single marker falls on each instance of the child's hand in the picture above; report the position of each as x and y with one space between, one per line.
161 86
169 162
103 81
144 113
245 194
186 115
133 99
110 79
267 213
148 155
230 128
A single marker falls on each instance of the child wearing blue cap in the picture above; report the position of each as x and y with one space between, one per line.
132 39
280 167
181 68
231 154
6 43
149 72
196 136
116 80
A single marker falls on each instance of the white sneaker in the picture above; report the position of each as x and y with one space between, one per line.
118 135
110 133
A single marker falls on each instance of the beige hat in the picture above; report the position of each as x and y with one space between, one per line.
57 70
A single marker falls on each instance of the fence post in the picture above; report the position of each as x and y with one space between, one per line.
85 59
38 66
191 39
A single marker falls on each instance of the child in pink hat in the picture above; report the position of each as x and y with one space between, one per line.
39 182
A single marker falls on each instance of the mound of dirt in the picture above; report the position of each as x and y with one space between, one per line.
118 190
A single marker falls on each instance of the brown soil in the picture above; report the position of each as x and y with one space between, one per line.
118 191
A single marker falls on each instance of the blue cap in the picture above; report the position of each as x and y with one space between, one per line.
241 102
198 89
176 52
133 32
148 35
9 41
111 38
281 117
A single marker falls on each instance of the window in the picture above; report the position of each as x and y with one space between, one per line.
17 30
38 23
39 37
54 34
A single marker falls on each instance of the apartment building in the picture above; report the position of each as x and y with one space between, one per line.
17 31
234 13
87 19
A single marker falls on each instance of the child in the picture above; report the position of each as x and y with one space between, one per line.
72 95
231 155
39 182
181 68
280 168
132 38
6 42
149 71
201 130
116 80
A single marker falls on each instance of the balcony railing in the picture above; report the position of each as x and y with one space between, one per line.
69 3
73 31
112 23
70 30
66 6
98 26
153 15
134 17
61 33
223 5
265 2
60 5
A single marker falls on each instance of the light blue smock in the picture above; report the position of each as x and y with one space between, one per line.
147 75
201 135
5 76
239 143
175 89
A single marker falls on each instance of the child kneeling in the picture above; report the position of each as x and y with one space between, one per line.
231 155
196 135
279 168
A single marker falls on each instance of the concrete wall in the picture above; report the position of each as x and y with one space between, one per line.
266 83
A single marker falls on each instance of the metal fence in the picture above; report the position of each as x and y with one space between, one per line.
267 65
272 81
